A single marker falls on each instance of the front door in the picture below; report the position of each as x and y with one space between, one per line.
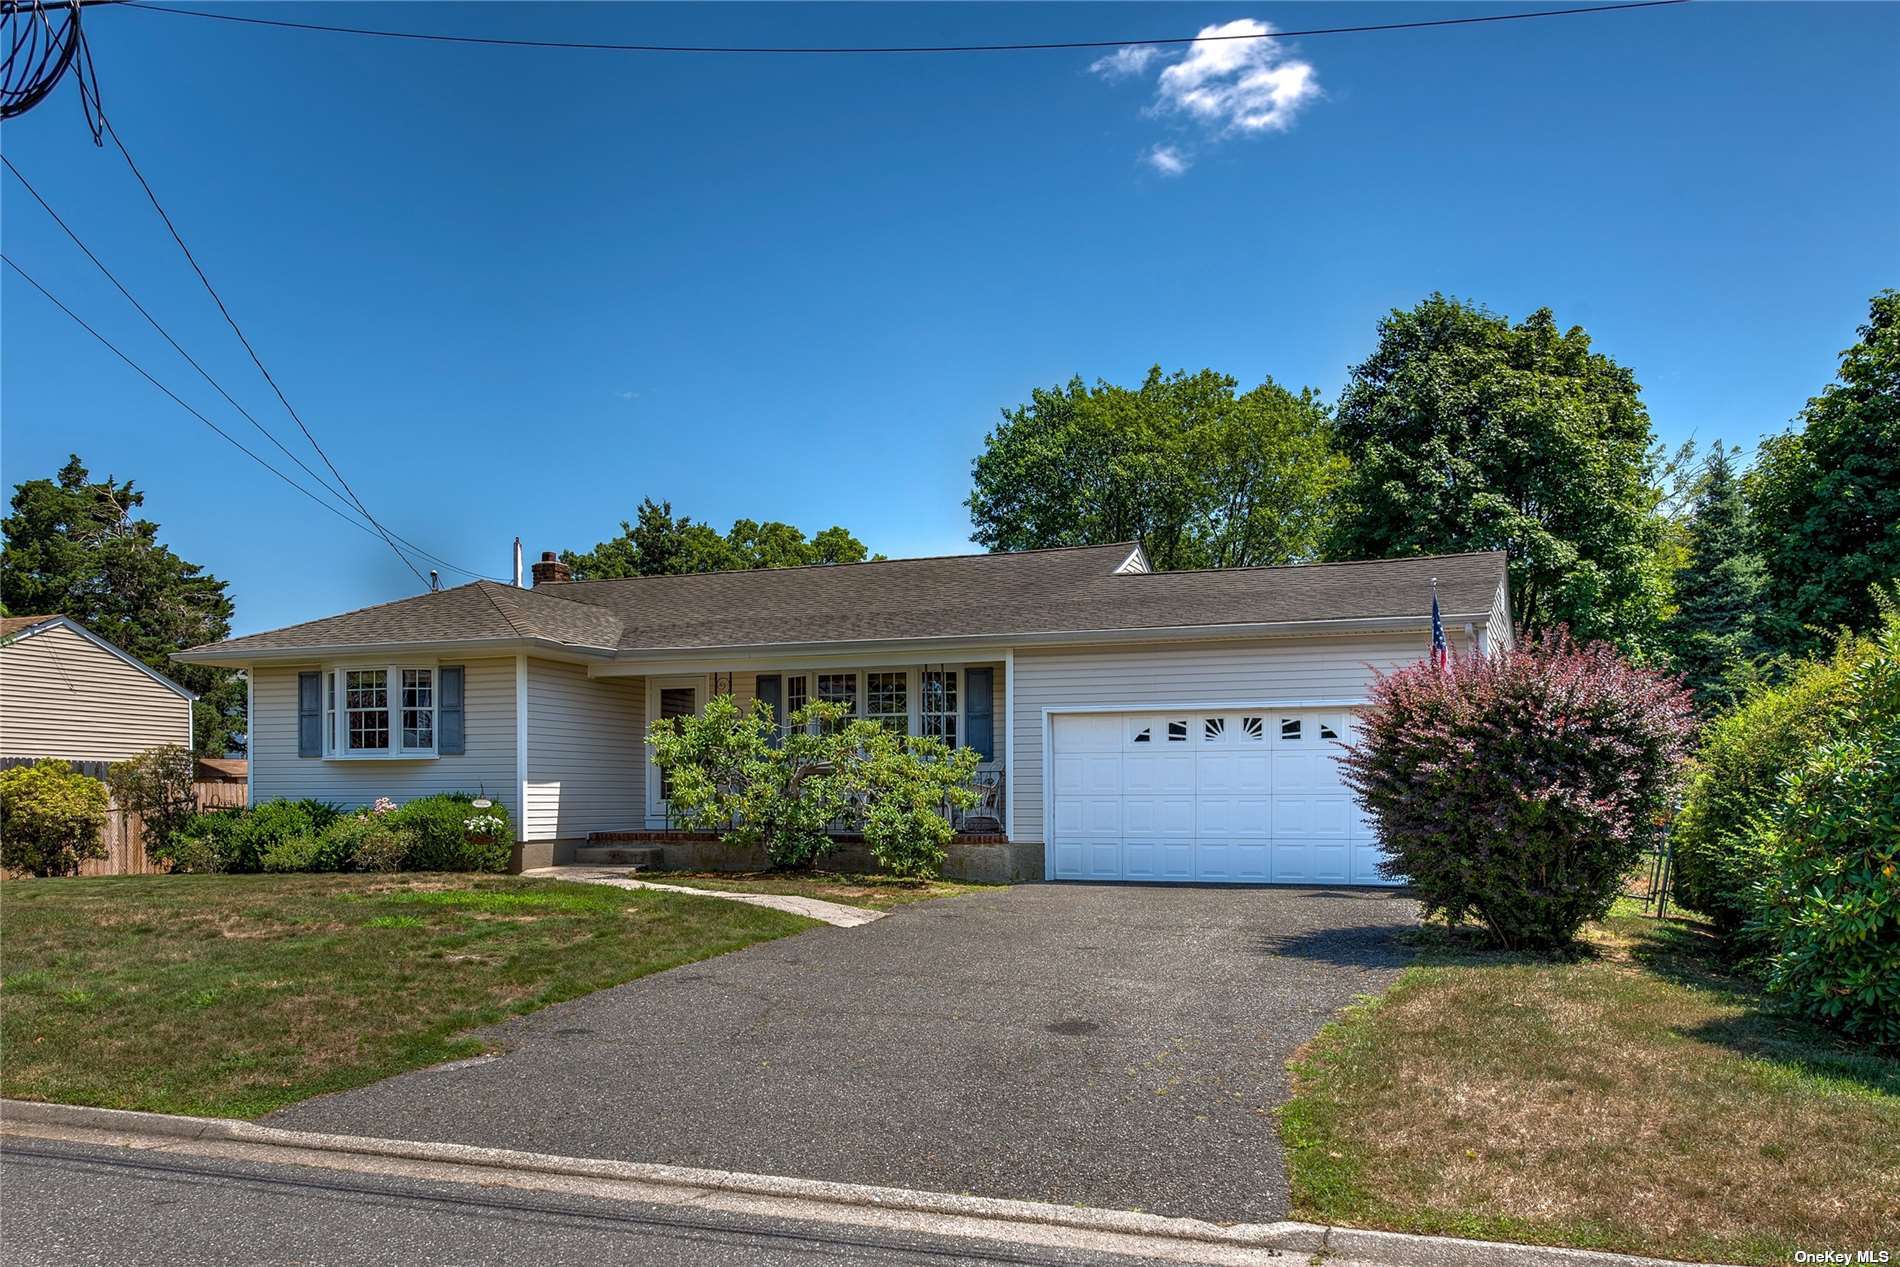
669 699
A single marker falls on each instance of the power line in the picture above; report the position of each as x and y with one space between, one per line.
206 374
499 41
255 359
233 441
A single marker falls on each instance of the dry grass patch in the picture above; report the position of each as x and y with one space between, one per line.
874 892
235 995
1638 1099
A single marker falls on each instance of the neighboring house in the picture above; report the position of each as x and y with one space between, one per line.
66 692
1133 725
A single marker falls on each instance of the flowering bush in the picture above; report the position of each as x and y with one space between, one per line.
383 805
485 826
1827 907
1518 790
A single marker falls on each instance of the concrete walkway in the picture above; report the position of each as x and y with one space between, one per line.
835 913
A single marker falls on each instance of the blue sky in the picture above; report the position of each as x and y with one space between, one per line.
514 291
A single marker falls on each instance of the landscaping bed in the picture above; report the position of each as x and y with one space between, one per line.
235 995
1638 1099
874 892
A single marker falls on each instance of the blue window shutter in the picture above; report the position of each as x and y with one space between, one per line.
310 714
771 691
979 709
451 732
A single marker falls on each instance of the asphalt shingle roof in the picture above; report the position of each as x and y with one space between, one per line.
1074 590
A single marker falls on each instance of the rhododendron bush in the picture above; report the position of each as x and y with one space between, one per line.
1518 790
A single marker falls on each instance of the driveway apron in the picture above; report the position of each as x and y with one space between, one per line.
1120 1047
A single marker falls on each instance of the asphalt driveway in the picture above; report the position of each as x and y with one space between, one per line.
1112 1046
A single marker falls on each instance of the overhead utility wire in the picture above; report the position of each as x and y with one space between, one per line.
206 374
434 37
185 405
255 359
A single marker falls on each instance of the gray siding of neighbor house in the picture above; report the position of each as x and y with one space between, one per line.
1160 675
586 752
63 696
488 765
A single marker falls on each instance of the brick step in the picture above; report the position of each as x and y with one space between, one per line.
619 855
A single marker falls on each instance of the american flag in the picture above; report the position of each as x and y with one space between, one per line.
1441 654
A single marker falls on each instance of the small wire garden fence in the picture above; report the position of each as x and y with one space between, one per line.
1652 880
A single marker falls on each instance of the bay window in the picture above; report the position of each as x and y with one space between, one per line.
380 711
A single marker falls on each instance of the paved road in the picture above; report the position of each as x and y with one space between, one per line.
1111 1046
70 1205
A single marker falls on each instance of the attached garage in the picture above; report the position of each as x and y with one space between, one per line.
1206 796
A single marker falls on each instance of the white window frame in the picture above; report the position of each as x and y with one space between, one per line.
336 714
908 716
956 684
913 692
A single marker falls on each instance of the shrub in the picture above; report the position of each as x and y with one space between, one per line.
731 772
734 773
50 818
208 844
439 838
1827 912
157 786
1737 777
299 853
268 826
900 787
1520 789
379 848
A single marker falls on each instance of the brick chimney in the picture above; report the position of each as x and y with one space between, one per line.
549 570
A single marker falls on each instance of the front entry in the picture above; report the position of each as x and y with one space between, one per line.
667 698
1204 796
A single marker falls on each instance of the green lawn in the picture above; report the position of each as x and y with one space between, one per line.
1639 1099
875 892
235 995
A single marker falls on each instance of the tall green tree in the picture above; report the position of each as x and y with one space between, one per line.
1826 497
1199 474
1710 636
658 543
1470 433
74 548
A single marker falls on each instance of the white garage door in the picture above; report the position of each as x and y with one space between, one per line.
1249 797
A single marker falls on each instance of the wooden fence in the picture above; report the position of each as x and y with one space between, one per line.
124 836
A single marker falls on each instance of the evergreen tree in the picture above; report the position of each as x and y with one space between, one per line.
1826 498
1711 635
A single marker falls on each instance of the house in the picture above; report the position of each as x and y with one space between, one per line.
1133 725
66 692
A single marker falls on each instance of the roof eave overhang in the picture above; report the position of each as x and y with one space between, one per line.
230 656
635 662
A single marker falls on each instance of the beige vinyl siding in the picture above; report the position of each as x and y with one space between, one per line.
488 765
586 752
1500 635
1159 675
61 695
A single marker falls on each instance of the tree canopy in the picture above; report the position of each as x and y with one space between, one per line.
656 543
1200 475
1826 497
1470 433
73 548
1711 634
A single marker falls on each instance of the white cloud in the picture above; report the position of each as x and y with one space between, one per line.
1226 85
628 395
1238 85
1124 62
1167 160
